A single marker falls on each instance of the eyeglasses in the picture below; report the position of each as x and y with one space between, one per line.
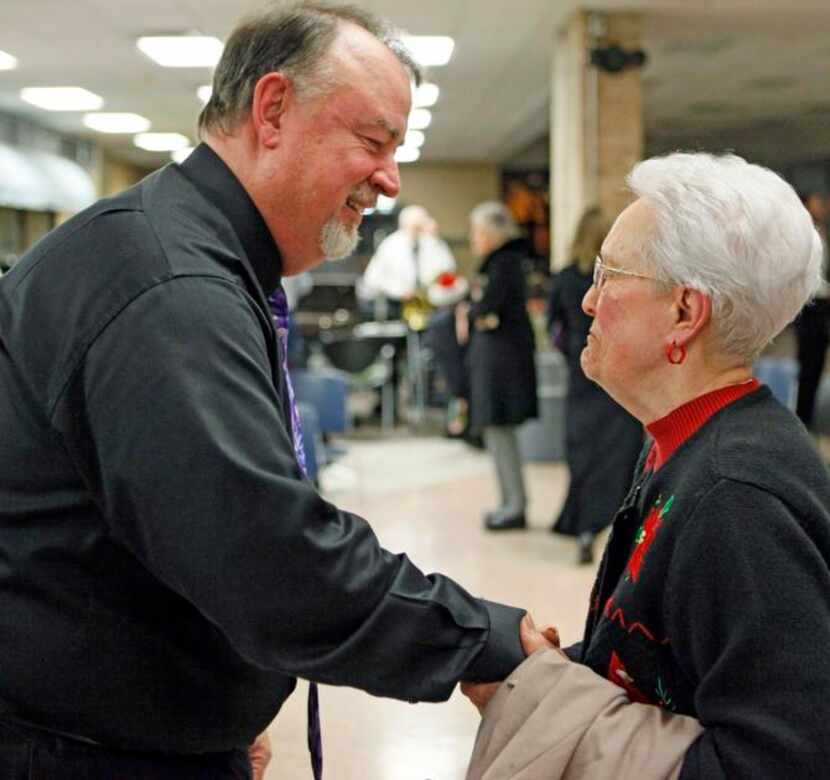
601 271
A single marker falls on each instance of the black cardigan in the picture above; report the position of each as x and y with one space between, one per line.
713 596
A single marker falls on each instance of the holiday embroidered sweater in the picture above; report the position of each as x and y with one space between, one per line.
713 595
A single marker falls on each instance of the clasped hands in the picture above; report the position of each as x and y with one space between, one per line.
532 639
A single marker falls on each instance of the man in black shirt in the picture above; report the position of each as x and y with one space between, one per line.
166 572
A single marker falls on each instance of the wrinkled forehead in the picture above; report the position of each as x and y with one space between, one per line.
629 236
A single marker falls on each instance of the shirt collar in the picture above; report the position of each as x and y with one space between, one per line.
218 184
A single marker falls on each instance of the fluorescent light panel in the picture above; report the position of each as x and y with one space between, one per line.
182 51
62 98
430 50
420 119
204 93
7 62
407 154
161 142
117 122
425 95
414 139
180 155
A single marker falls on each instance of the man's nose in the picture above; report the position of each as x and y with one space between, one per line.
387 178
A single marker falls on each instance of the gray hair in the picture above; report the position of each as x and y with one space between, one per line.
294 41
412 216
496 219
735 231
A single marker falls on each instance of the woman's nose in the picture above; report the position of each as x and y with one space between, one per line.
590 300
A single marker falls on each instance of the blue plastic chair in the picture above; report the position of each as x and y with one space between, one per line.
312 439
326 392
780 374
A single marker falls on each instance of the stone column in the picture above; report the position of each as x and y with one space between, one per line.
620 120
567 137
596 123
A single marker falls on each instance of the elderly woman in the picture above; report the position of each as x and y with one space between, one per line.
602 440
711 609
500 355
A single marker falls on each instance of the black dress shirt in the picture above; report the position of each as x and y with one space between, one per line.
165 570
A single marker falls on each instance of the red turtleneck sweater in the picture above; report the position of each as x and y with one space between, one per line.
671 431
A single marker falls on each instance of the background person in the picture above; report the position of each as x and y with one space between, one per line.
407 261
168 571
602 440
712 603
500 355
812 328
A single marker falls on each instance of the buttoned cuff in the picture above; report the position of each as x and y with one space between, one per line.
503 651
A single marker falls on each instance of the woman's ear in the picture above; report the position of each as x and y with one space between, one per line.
692 310
268 106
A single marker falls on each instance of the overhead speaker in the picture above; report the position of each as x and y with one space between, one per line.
613 59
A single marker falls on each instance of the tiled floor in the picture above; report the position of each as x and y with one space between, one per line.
426 497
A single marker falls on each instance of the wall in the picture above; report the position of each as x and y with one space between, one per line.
449 191
116 175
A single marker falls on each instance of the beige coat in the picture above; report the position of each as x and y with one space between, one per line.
557 720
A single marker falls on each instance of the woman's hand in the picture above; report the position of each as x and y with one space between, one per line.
533 638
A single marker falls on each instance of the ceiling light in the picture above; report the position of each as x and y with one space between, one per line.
204 93
117 123
414 139
425 95
407 154
182 51
7 62
430 50
161 142
62 98
419 119
180 155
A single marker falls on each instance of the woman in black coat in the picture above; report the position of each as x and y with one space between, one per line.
501 354
602 440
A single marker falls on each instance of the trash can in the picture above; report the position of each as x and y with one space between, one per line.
543 439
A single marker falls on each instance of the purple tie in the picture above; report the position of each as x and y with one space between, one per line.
279 311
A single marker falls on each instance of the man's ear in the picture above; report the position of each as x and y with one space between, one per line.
271 95
692 310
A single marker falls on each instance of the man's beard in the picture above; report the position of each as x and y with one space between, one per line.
338 240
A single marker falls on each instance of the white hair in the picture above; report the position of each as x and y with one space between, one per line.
496 219
735 231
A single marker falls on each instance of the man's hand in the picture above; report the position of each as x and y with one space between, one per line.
480 693
532 639
260 755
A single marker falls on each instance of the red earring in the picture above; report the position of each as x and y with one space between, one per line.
676 353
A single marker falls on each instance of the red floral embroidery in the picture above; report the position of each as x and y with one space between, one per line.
645 536
619 676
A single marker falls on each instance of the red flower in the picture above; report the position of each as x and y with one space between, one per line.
645 536
446 279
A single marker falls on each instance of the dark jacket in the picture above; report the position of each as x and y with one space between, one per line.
501 353
713 597
602 440
166 570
